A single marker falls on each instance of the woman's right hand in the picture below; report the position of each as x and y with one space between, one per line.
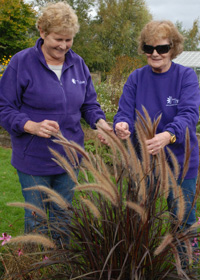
45 129
122 130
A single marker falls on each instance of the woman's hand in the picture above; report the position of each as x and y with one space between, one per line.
122 130
158 142
45 129
106 126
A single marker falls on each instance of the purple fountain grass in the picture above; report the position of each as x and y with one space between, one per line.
120 225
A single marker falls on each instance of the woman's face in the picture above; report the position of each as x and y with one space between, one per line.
159 63
55 47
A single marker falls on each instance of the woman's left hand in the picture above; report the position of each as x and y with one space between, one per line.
106 126
45 128
159 141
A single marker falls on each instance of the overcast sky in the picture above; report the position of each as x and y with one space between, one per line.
185 11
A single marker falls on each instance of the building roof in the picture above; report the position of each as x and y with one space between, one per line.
189 59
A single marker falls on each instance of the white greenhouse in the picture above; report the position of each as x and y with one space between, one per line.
190 59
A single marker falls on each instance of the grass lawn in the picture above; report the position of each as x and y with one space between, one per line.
11 218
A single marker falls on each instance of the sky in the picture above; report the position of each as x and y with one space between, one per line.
185 11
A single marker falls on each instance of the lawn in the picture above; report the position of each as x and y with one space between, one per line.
11 218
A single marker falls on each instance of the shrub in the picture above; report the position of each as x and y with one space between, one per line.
198 127
120 226
124 65
105 97
91 146
109 92
3 64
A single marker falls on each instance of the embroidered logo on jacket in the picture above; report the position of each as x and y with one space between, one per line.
172 101
77 82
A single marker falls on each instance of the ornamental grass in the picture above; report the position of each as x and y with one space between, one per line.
120 226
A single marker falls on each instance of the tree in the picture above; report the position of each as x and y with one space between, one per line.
17 26
84 43
117 26
192 36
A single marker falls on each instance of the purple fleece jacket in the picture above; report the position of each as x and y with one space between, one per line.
175 95
30 90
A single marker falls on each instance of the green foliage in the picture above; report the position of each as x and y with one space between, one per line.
109 92
3 64
42 3
198 128
96 148
85 43
116 29
106 98
123 66
11 219
17 26
192 36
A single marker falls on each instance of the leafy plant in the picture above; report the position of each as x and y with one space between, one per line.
120 225
17 26
106 98
91 146
3 64
109 92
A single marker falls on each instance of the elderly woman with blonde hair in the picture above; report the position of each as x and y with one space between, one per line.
46 89
172 90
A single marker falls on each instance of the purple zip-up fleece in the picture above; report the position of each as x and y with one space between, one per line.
30 90
175 95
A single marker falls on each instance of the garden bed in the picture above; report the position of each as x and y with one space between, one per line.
5 141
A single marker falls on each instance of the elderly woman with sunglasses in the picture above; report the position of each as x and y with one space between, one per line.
164 87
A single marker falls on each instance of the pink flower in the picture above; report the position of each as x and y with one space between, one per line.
195 242
198 220
5 238
19 251
45 258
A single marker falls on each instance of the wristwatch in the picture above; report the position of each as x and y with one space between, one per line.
173 137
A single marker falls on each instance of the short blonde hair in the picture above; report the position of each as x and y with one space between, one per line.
58 18
157 30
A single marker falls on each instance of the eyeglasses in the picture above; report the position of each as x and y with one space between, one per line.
159 48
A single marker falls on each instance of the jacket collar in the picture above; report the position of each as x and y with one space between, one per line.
68 56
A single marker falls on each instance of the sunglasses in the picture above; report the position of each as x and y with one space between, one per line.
159 48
